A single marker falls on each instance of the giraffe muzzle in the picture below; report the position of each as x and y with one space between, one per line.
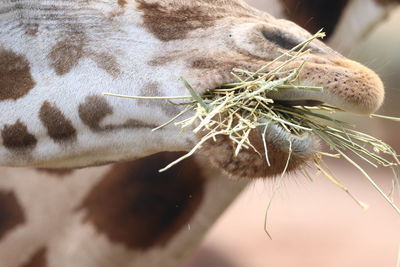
346 85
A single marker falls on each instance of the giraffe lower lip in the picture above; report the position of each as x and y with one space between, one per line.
303 145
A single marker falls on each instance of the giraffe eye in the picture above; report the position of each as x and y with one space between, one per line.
280 38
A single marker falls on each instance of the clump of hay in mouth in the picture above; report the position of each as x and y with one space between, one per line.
235 110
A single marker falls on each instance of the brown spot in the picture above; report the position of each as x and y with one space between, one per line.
172 56
38 259
122 3
169 24
116 13
139 207
152 89
106 62
66 53
315 14
11 214
56 172
93 111
15 76
32 29
204 63
129 124
162 60
16 136
214 64
96 108
59 128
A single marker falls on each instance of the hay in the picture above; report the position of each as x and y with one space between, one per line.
235 109
398 258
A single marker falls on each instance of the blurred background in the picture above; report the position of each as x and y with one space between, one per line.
315 224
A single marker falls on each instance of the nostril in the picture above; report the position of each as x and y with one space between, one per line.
288 41
280 38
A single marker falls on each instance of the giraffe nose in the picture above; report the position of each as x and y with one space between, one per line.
288 40
362 89
347 85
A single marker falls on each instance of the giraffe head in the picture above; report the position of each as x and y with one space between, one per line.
54 113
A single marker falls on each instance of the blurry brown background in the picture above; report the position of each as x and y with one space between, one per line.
314 224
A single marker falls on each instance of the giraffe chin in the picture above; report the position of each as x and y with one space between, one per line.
250 164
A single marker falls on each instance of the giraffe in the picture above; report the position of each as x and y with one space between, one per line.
70 240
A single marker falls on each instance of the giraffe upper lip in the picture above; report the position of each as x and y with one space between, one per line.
346 85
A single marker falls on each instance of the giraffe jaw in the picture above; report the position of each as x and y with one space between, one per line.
281 152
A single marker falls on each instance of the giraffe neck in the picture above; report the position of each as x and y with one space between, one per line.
100 216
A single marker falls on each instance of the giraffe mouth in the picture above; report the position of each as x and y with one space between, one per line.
346 85
306 98
301 145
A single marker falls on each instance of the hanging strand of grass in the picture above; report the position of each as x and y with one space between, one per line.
398 258
269 205
386 117
324 169
370 180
